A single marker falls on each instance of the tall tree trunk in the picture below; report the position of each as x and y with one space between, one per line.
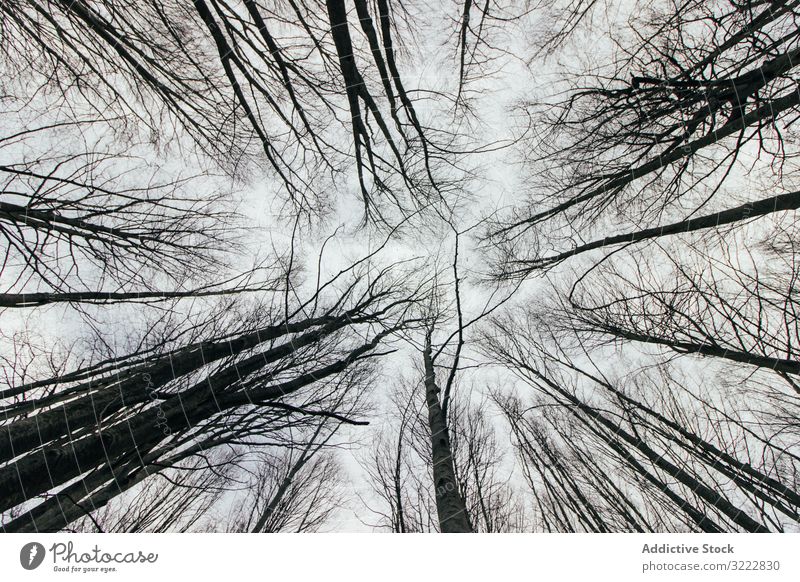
450 506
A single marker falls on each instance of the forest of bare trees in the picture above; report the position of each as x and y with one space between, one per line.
491 266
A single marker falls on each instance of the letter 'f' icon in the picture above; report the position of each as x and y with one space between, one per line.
31 555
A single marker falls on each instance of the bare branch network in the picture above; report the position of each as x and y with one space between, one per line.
473 266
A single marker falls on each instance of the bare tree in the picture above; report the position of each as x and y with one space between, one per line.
252 80
643 427
461 453
293 495
167 172
398 471
130 417
658 133
401 475
176 499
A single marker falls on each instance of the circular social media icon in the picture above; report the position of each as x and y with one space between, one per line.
31 555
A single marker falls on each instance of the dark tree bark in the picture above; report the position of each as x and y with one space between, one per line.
450 506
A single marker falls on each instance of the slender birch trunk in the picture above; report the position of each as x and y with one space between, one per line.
450 506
